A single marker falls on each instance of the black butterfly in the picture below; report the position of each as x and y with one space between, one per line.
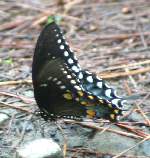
62 88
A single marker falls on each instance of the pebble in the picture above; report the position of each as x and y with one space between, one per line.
3 118
40 148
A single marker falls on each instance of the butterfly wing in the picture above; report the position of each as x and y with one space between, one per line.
62 88
51 75
101 89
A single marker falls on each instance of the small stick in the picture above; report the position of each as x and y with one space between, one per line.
141 111
15 82
102 128
26 100
16 107
123 74
128 65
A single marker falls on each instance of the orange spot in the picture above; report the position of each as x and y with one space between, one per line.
90 97
89 117
101 101
80 93
84 103
116 111
68 96
110 105
112 116
91 113
77 99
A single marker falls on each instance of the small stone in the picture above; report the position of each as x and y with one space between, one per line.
126 10
40 148
3 118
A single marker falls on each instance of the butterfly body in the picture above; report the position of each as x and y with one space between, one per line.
62 88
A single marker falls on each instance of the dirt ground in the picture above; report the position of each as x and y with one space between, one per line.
110 38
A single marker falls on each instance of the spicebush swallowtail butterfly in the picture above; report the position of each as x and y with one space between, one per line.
62 88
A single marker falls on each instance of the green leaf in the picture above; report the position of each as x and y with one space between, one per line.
8 61
56 18
50 19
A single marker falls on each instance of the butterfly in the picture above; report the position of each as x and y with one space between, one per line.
63 89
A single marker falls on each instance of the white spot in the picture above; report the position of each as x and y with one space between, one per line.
69 76
65 72
62 87
79 66
53 57
55 30
75 57
70 50
99 98
66 43
57 35
66 53
108 93
87 72
124 113
71 117
62 47
98 78
115 93
50 78
62 68
77 80
75 68
99 84
89 79
77 87
124 104
59 41
49 54
73 82
70 61
108 101
43 85
80 75
107 85
54 79
63 37
89 93
58 83
115 102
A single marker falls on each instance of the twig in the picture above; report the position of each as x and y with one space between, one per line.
15 82
131 78
12 24
128 65
132 129
16 107
102 128
141 111
123 74
65 140
69 5
26 100
139 27
120 36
